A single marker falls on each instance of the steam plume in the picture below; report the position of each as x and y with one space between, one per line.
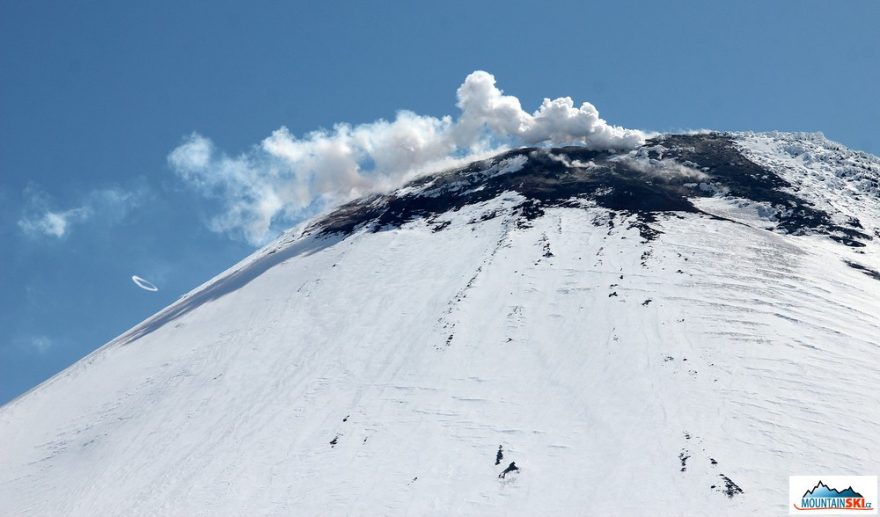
285 178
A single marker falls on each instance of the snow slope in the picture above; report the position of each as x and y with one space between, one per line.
687 370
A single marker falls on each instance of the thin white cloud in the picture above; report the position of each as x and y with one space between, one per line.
285 177
54 224
41 344
35 344
40 220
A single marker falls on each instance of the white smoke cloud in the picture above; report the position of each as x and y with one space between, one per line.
660 168
485 107
39 220
285 178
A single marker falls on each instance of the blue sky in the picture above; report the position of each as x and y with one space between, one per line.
94 96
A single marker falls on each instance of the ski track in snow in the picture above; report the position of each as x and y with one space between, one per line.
316 378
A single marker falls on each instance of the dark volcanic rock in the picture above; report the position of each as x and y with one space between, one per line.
866 270
743 178
659 178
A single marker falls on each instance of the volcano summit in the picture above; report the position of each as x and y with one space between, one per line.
674 326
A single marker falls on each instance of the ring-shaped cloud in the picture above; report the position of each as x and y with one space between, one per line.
146 285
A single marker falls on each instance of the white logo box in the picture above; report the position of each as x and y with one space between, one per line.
864 485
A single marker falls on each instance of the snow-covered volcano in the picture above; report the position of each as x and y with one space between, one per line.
670 330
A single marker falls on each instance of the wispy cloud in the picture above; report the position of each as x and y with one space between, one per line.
38 344
284 177
53 224
41 219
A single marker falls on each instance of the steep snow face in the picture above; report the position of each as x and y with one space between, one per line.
844 183
677 352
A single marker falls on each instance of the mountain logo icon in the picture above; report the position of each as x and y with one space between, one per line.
828 495
823 490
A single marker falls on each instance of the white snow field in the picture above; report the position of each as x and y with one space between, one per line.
378 373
